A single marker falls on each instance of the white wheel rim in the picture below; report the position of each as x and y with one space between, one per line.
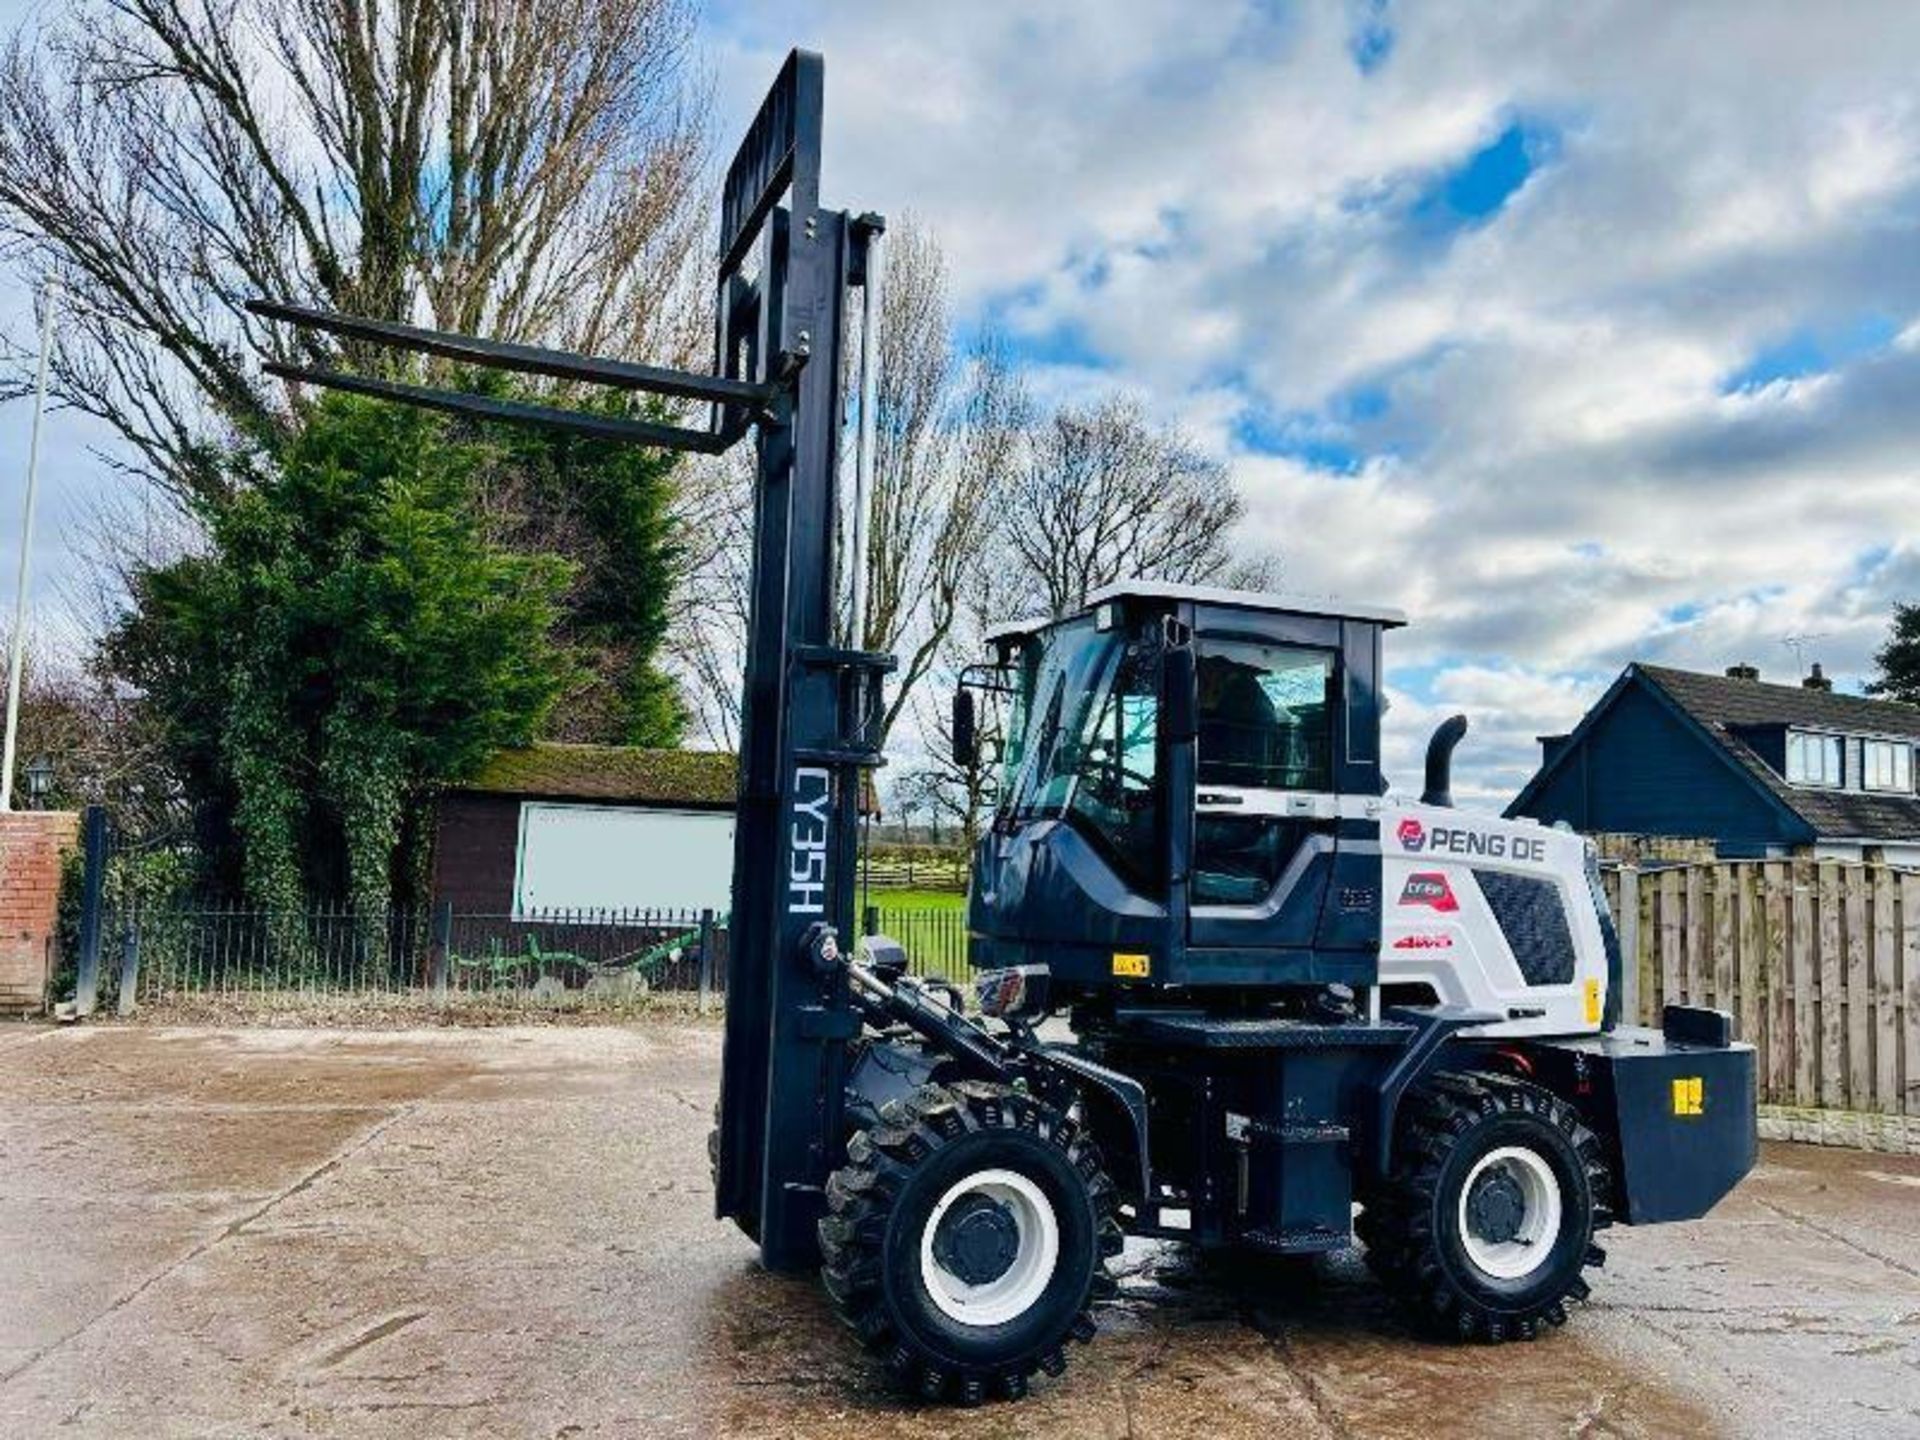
1036 1254
1540 1215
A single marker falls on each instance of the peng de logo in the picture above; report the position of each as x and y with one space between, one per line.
1413 835
807 849
1430 888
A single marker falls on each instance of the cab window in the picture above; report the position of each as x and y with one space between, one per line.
1265 716
1116 794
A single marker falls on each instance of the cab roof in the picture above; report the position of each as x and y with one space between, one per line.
1269 602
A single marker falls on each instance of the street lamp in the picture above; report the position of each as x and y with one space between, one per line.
18 648
39 781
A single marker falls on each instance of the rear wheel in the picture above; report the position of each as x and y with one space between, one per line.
964 1239
1487 1220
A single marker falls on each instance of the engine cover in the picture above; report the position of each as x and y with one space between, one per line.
1493 915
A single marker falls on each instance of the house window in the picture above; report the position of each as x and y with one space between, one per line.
1813 759
1887 765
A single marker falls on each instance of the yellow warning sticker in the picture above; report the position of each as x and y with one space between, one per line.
1689 1095
1593 1002
1130 967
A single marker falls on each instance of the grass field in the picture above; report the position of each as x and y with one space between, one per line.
894 902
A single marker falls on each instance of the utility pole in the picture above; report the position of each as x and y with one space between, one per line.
18 640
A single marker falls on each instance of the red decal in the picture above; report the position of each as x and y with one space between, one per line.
1424 942
1413 835
1430 888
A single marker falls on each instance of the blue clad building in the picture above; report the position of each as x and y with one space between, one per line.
1758 769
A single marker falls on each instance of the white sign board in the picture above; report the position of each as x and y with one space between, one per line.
605 857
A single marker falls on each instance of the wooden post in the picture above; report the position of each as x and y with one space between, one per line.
1672 937
1910 991
1886 995
1806 1031
1649 960
1696 935
1627 907
1749 977
1725 882
1777 967
1859 991
1833 989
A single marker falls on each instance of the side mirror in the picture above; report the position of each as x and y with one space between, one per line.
1179 695
965 736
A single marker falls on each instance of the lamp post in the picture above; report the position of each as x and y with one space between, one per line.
39 782
17 650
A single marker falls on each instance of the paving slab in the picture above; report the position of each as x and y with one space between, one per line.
508 1232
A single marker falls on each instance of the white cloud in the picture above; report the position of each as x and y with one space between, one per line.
1213 200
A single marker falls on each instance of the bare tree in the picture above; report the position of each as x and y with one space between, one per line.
930 791
707 640
965 792
1103 495
946 427
528 169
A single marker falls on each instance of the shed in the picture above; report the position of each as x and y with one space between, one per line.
556 828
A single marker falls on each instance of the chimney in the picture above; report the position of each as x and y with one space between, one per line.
1743 671
1817 680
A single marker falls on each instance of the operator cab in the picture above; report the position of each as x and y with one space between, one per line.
1189 790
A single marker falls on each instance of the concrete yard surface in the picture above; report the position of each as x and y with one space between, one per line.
508 1232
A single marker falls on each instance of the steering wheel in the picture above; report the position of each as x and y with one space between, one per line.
1111 784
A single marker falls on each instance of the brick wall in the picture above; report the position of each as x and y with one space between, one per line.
30 846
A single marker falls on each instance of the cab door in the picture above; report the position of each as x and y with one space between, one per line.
1266 815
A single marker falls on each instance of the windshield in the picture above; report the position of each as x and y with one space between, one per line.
1057 686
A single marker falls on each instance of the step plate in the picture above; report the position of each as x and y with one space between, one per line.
1305 1240
1208 1032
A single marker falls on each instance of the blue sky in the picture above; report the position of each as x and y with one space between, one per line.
1585 334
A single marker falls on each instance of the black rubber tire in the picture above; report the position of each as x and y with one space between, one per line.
879 1202
1410 1223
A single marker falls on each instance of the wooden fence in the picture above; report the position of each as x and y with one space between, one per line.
914 867
1819 963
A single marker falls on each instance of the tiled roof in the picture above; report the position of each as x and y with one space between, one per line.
610 772
1726 701
1723 706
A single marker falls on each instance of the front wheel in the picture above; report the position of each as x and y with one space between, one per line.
964 1239
1487 1220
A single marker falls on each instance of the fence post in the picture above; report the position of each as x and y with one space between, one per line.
870 920
129 968
437 958
706 961
86 990
1629 938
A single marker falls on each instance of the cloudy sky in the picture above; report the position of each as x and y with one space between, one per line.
1584 333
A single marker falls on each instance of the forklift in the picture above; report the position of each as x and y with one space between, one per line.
1230 992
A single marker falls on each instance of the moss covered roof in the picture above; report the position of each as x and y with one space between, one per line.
610 772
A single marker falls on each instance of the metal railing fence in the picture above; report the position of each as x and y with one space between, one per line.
228 957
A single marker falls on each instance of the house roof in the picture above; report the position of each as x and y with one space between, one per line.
618 773
1724 706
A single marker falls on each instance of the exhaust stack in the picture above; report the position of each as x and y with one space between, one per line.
1439 789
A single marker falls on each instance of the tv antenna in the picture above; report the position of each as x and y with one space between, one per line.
1798 645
